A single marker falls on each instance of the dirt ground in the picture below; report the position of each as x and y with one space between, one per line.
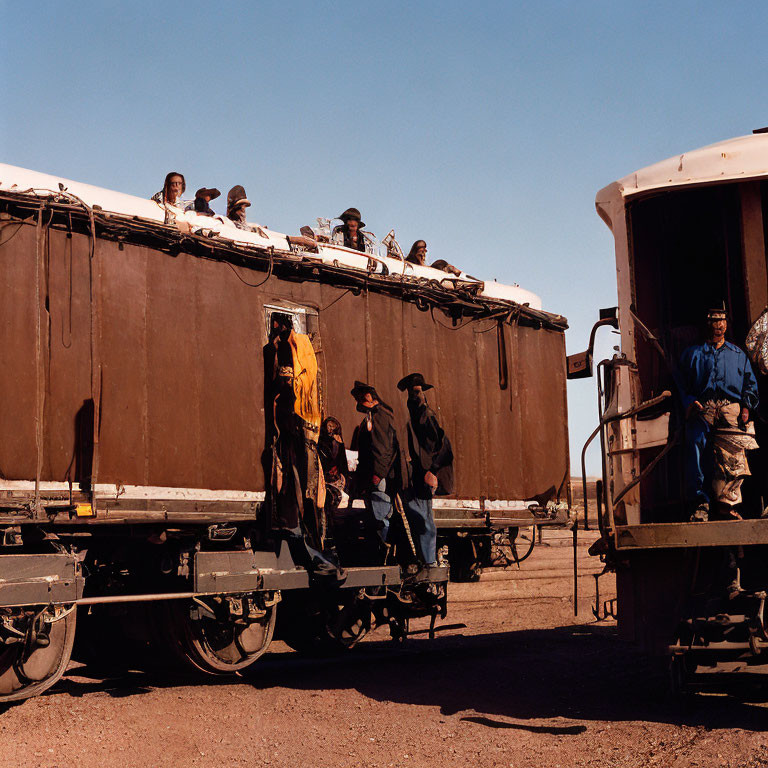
524 684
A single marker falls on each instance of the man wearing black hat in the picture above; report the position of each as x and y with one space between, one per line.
431 465
720 390
237 202
350 234
377 477
203 197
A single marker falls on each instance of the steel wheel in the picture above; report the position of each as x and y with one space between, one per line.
512 546
218 645
522 541
349 625
28 671
322 629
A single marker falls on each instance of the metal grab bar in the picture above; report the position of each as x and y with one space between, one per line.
637 409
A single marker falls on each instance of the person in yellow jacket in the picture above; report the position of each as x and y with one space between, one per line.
296 488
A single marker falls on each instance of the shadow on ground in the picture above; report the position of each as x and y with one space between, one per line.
582 673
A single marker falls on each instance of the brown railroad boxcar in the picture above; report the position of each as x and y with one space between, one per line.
134 412
690 232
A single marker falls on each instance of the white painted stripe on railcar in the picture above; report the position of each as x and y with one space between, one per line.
160 493
164 493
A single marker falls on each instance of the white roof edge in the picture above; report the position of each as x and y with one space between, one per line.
741 158
22 180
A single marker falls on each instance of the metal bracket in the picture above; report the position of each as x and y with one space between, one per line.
609 607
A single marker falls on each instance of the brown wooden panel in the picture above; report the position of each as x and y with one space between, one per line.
342 327
544 429
18 384
124 422
230 340
173 386
68 369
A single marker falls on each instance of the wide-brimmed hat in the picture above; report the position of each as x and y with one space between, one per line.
236 196
361 388
412 380
352 213
212 193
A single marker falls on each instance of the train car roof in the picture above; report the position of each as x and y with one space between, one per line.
21 181
742 158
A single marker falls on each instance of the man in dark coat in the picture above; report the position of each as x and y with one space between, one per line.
203 197
350 234
431 466
377 477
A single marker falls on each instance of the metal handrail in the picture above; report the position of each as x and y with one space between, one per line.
637 409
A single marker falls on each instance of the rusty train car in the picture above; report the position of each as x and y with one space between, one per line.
133 424
689 231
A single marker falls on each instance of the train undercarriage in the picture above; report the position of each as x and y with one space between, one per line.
183 597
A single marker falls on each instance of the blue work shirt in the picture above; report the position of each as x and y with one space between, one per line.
709 373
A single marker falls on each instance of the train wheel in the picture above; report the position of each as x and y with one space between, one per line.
31 666
522 541
349 625
316 629
215 643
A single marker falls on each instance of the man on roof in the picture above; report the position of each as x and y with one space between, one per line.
418 255
237 202
174 187
719 393
203 197
350 234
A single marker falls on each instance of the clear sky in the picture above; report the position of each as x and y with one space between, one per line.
485 128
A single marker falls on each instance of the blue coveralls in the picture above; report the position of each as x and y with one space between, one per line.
710 373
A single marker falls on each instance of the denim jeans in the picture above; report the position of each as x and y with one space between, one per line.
422 523
380 504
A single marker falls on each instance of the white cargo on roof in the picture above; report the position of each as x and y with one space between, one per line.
21 180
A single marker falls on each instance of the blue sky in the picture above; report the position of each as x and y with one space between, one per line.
484 128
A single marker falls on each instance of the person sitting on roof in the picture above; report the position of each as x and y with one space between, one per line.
350 234
203 197
418 253
237 202
172 190
444 266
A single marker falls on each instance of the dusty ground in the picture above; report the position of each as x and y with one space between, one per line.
525 684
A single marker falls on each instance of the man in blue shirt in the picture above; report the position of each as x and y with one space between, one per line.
720 390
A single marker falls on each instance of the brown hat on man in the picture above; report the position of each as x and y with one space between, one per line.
211 194
236 196
352 213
